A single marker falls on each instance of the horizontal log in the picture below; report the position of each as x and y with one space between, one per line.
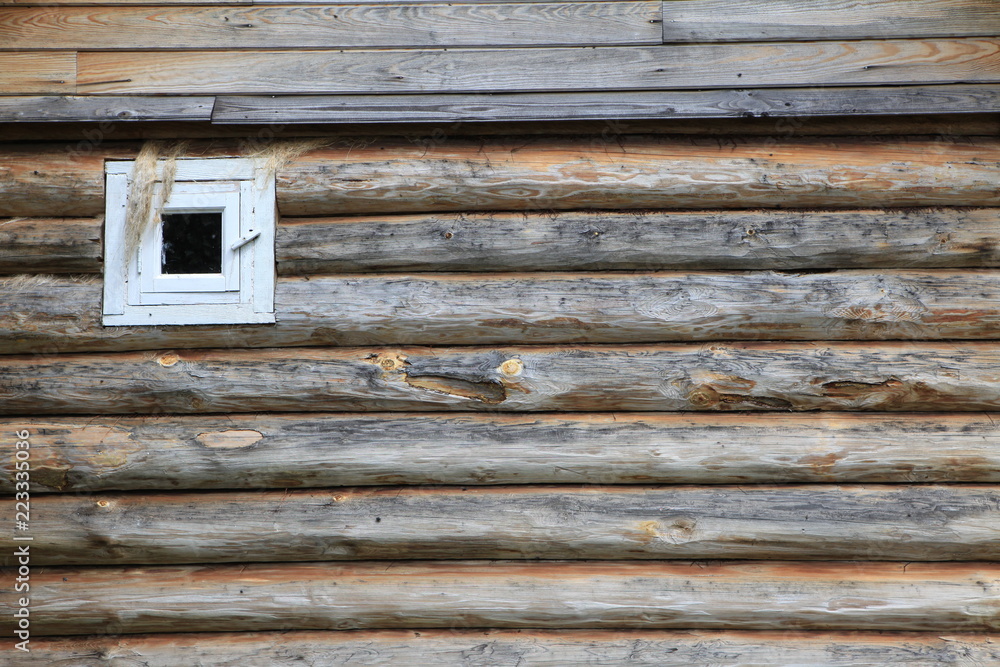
754 20
573 240
648 240
333 26
60 245
940 597
627 172
72 454
534 648
539 174
532 69
622 105
903 377
50 314
901 523
63 108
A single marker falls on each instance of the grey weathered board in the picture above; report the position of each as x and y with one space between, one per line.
243 451
906 377
49 314
464 70
521 648
933 597
75 108
815 522
334 26
618 105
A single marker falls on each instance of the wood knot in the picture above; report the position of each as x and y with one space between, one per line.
168 360
512 367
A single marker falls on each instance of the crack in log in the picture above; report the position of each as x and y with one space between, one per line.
853 389
487 392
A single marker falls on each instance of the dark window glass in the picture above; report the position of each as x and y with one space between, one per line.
192 243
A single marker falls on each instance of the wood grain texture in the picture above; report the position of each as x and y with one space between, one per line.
49 314
241 451
754 21
37 72
647 240
63 108
620 105
59 245
815 522
64 180
633 172
462 70
897 377
333 26
940 597
524 648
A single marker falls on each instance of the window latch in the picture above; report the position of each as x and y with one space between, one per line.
242 241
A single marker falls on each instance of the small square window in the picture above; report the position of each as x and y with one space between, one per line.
204 256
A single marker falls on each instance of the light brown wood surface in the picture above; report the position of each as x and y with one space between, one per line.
524 648
898 377
246 451
933 597
37 72
462 70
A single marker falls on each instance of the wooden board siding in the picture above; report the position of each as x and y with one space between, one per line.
242 451
938 597
37 72
875 62
754 21
49 314
332 26
527 648
818 522
929 377
63 108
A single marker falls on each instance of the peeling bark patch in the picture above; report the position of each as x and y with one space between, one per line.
236 439
486 392
852 389
705 396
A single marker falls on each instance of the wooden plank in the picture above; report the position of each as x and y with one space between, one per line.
538 175
38 72
72 454
60 245
644 240
62 108
876 62
896 377
778 102
534 648
754 21
64 314
814 522
333 26
939 597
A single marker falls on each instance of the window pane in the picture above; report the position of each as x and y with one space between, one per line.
192 243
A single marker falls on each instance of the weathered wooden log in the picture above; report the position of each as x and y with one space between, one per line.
48 314
361 25
39 245
527 648
572 240
650 240
287 451
538 174
906 377
753 21
877 62
624 172
939 597
813 522
622 106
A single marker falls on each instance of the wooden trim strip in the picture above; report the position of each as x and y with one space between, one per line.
241 451
621 105
462 70
896 377
438 648
825 522
934 597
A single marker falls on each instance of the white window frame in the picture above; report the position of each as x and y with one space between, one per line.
136 292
